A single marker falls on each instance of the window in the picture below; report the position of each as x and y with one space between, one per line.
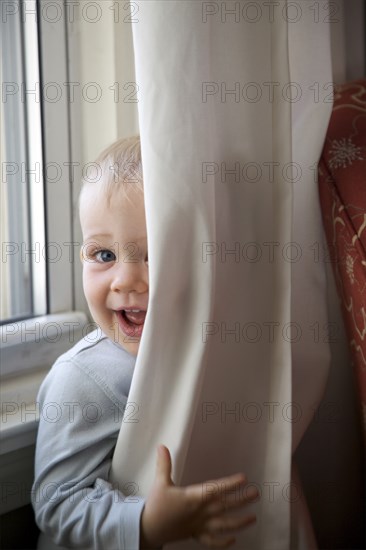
23 267
40 267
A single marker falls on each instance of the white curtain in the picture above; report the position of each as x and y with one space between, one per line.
233 110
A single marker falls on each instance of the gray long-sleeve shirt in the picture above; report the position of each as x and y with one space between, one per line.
82 403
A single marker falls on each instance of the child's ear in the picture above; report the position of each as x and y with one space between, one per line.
81 255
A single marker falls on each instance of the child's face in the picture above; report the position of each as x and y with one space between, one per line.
115 264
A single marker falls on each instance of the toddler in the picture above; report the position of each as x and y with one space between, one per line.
84 396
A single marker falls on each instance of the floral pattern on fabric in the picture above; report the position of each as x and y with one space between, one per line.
342 190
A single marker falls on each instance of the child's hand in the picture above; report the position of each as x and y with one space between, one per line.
173 513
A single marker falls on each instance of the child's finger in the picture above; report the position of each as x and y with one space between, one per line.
212 536
213 489
211 541
222 504
229 481
229 523
164 465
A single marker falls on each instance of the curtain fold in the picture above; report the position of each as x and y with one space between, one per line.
228 374
277 459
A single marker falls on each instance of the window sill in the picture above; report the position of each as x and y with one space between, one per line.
19 416
36 343
28 351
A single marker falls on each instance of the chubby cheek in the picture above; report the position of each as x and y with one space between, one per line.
94 290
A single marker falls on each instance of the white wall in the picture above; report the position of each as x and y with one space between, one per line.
101 59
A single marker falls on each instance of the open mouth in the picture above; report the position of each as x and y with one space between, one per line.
132 321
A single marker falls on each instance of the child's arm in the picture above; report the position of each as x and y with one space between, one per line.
74 503
173 513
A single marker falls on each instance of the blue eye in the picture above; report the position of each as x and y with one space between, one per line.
105 256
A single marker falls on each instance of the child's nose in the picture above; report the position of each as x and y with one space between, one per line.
129 276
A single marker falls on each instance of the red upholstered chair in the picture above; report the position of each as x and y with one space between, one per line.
342 190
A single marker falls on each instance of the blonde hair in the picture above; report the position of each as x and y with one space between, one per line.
119 166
